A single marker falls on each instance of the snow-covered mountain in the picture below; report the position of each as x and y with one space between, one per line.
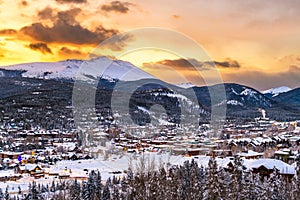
186 85
78 69
247 97
237 96
290 98
273 92
240 100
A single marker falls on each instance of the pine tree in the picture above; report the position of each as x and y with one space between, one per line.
213 186
98 186
162 182
44 189
53 188
153 185
124 188
285 192
19 190
296 180
131 184
106 192
6 194
75 191
115 193
274 183
1 194
85 194
91 184
263 188
249 191
200 183
173 183
237 182
115 180
33 192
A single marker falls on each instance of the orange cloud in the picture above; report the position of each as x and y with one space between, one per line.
42 47
8 32
70 52
193 64
116 6
66 29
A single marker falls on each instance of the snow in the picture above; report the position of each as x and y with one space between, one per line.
235 103
81 168
250 153
234 91
144 109
250 164
186 85
281 152
73 69
276 91
248 91
179 96
283 167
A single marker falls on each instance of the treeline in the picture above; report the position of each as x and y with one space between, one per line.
188 181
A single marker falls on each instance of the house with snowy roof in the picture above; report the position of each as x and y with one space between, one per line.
251 154
266 166
32 169
286 155
10 155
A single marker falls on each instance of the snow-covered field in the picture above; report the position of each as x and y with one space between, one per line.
117 163
81 168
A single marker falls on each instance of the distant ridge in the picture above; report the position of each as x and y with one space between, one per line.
27 79
273 92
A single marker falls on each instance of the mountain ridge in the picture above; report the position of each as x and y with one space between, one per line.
78 69
273 92
124 78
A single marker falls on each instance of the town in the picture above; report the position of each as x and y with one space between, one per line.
47 156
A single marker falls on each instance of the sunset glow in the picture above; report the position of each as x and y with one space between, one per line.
256 43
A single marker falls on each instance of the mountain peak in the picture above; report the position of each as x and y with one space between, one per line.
69 69
275 91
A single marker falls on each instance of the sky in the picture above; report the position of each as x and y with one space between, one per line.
256 43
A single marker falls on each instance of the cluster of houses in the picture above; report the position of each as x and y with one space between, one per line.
16 165
237 140
264 145
267 143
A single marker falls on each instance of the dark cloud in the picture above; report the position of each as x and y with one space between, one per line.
71 1
63 32
68 16
192 63
66 29
228 64
116 6
46 13
7 32
182 63
117 42
70 52
42 47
